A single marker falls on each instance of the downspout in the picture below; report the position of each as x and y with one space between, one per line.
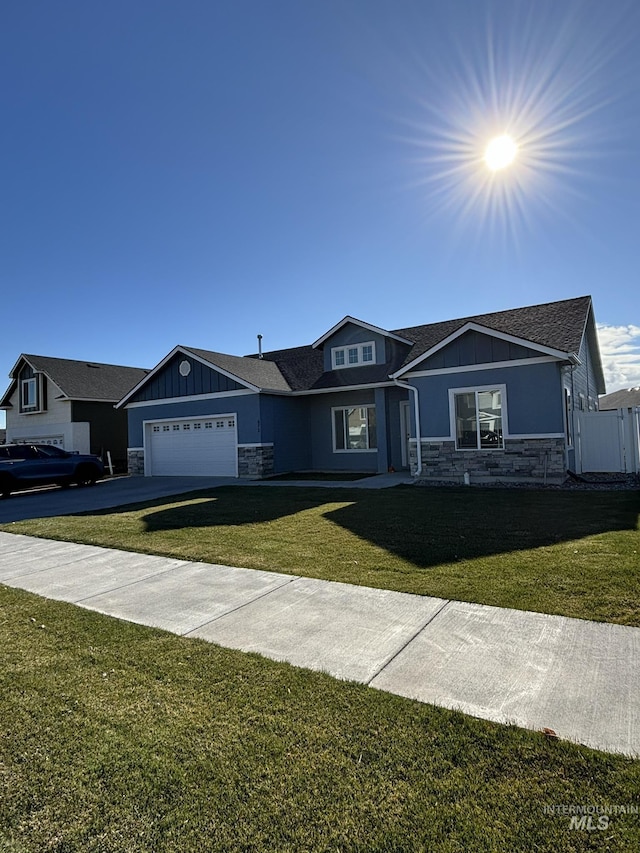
416 409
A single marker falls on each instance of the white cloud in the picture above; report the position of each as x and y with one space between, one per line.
620 351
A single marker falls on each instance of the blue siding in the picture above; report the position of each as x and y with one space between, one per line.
476 348
169 383
320 433
534 398
285 422
246 407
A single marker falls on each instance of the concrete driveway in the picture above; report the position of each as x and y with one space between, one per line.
43 503
120 491
579 678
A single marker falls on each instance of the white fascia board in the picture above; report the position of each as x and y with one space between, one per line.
166 359
338 389
189 398
22 357
87 400
363 325
489 365
484 330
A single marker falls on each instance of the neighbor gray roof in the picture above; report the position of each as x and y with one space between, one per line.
627 398
82 380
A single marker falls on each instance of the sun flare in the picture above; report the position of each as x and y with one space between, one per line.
500 152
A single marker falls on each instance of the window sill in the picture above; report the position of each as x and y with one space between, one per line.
479 449
358 450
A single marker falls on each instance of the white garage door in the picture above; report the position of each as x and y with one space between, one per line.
196 447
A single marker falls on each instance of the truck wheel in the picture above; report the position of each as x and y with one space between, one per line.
86 475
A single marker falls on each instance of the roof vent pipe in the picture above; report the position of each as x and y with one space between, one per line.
259 346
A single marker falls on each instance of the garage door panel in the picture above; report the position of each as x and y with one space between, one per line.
196 447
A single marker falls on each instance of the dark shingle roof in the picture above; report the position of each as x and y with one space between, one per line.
559 325
87 380
626 398
258 372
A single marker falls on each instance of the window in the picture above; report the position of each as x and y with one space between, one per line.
354 428
478 419
352 356
29 397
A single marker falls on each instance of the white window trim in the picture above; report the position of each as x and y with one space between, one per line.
335 409
345 349
29 408
452 416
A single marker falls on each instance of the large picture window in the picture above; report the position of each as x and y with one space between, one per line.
354 428
478 419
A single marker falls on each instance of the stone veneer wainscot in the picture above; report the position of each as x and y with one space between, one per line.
522 460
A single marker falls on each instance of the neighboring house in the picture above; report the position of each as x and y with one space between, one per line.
628 398
3 436
492 395
69 404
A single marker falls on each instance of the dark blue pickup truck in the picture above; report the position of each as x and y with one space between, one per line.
23 466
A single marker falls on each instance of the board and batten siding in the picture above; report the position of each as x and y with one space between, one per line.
169 382
474 347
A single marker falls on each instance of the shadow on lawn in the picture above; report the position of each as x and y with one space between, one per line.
423 526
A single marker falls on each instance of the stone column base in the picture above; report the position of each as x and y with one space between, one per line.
255 461
135 461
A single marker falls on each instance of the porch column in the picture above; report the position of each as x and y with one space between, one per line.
382 429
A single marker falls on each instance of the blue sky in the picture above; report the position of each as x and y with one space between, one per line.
201 171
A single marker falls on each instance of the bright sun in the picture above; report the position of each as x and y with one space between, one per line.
500 153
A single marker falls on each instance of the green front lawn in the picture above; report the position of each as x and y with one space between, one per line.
117 738
570 553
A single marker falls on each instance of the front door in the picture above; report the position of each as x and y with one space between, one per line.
405 431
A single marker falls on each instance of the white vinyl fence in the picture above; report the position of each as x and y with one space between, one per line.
608 441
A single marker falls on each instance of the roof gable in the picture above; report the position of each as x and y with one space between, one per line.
470 327
352 320
253 374
554 328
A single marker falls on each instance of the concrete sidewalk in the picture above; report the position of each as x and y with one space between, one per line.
579 678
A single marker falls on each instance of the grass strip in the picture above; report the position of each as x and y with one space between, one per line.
119 738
